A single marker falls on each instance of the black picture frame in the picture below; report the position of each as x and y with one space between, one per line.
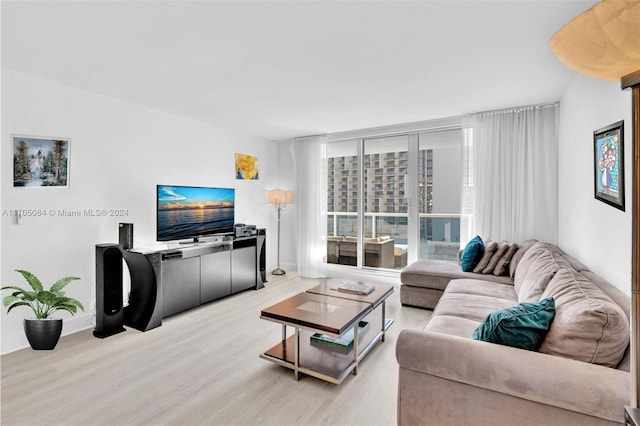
608 166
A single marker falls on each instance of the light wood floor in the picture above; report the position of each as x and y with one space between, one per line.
201 367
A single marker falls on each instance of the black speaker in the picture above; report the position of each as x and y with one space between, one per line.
109 312
125 234
261 256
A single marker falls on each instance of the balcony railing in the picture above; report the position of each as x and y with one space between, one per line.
439 233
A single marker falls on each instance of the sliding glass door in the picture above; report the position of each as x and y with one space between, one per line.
393 199
343 173
439 183
386 209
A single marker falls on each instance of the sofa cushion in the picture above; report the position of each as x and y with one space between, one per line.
500 251
436 274
452 325
541 273
522 326
471 306
502 267
537 267
490 248
517 256
472 254
483 288
588 326
525 262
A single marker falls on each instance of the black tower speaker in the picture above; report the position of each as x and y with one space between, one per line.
261 257
109 312
125 234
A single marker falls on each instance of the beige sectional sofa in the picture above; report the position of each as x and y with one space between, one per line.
578 376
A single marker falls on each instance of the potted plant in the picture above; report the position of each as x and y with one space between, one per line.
42 331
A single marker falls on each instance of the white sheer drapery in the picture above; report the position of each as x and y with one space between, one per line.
511 186
467 204
309 158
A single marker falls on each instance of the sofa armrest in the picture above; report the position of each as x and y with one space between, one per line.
564 383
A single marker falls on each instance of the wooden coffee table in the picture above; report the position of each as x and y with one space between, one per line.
330 316
376 298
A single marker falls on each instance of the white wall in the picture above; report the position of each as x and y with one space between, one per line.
119 152
593 232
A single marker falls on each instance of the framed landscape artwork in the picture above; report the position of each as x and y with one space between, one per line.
608 150
40 162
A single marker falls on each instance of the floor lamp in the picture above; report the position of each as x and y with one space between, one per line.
604 42
279 198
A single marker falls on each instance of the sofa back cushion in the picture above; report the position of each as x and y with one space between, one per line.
503 246
502 267
517 256
472 253
537 267
490 248
588 326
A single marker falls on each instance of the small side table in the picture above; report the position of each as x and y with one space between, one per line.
631 416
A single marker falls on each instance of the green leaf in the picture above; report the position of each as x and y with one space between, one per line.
15 305
61 283
47 298
75 302
68 301
19 290
29 295
67 307
13 287
33 281
9 300
79 305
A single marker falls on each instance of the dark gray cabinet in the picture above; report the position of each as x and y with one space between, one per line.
165 282
202 273
243 265
215 275
180 285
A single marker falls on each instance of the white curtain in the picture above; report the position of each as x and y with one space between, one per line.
310 163
467 205
511 184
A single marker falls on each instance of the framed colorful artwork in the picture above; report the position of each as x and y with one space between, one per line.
608 151
246 167
40 162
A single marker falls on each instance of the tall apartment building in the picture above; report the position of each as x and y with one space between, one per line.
385 183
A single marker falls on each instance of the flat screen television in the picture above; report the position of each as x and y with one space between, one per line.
191 212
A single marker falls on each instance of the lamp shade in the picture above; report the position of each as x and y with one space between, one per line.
280 197
603 42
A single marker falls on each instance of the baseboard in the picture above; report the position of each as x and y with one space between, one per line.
285 266
15 342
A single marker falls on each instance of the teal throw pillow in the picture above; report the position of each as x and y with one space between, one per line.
522 326
472 254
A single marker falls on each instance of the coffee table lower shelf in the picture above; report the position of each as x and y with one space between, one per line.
324 363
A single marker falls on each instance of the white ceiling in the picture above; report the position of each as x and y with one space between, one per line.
285 69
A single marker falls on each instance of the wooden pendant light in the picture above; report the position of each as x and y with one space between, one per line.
602 42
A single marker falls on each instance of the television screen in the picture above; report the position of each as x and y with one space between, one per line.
192 212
